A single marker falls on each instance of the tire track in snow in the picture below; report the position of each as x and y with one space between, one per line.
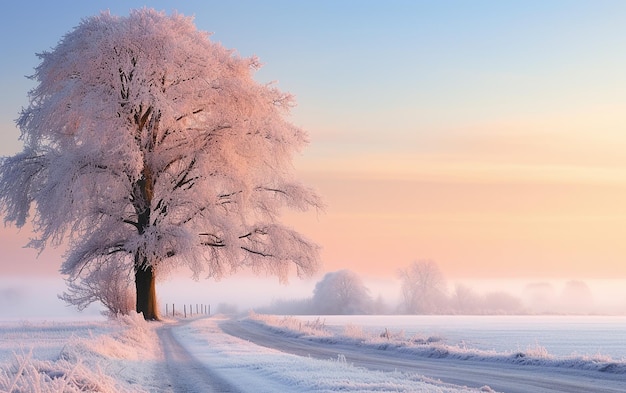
184 372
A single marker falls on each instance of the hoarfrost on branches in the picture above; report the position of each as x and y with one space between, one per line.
423 287
106 283
147 145
341 292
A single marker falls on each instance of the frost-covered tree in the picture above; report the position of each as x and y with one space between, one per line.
465 300
149 147
576 298
109 284
423 288
500 302
341 292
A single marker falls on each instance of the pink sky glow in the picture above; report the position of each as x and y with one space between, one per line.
490 141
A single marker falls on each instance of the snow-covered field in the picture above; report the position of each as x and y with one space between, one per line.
252 368
586 343
130 355
555 335
125 355
93 356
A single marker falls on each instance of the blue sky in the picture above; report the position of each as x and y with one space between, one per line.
411 65
486 135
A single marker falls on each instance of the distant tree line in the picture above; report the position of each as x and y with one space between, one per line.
424 290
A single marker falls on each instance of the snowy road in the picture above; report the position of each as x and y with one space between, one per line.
253 368
501 377
184 372
218 354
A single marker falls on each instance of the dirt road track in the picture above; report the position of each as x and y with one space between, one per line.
184 372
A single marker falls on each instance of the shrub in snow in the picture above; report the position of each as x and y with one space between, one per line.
354 331
537 351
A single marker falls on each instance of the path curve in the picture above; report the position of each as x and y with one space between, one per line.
502 378
184 372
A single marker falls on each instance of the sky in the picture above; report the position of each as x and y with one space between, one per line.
486 136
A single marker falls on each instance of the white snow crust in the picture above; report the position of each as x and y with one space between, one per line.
105 356
124 355
434 346
260 369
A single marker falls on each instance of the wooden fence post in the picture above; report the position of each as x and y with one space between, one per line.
201 309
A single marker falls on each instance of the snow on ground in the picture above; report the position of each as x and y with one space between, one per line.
559 335
129 355
259 369
434 346
104 356
124 355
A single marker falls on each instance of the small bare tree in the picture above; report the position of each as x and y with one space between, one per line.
423 287
109 284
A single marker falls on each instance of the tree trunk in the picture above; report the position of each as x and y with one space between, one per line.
146 292
144 273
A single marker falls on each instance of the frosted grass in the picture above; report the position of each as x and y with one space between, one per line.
512 340
559 335
125 355
106 356
255 368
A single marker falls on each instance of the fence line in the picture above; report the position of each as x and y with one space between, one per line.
201 309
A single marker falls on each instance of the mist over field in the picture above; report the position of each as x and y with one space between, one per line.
36 298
